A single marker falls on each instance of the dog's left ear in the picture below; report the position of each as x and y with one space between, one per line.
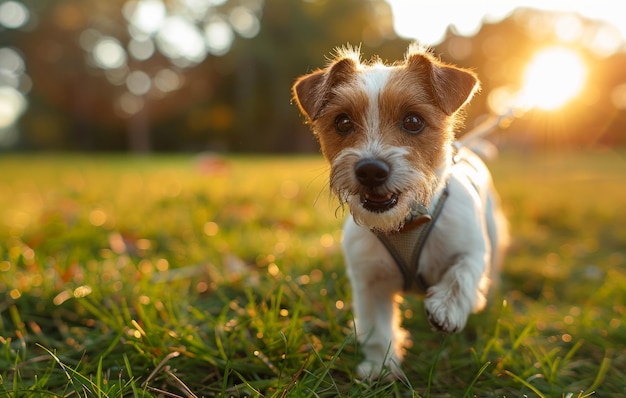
314 90
306 93
452 87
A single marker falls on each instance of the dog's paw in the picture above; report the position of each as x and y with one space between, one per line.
446 312
373 370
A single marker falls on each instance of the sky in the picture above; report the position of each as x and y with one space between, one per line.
427 20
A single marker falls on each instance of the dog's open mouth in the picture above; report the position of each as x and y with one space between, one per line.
379 203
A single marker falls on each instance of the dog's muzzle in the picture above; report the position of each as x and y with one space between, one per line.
372 173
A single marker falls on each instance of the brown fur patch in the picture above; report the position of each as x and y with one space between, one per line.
350 99
409 90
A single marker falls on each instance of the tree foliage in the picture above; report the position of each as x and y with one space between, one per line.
238 98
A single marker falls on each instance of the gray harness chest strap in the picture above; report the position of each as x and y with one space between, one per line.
406 245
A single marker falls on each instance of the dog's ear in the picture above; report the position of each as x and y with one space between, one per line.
452 87
313 91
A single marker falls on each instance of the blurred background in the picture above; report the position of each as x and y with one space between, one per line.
215 75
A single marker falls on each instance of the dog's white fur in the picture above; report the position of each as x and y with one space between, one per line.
466 244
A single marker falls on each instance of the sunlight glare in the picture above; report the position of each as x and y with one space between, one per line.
428 22
553 77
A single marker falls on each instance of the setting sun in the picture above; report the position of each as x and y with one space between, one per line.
553 77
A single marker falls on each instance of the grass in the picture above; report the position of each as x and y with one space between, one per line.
180 277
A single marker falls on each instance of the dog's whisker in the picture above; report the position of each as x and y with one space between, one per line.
325 188
341 207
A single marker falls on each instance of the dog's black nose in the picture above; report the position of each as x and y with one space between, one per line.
372 172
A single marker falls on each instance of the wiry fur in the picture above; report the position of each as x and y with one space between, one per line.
468 239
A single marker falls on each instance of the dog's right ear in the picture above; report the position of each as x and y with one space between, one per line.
452 87
313 91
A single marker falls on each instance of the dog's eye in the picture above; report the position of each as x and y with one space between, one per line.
343 124
413 123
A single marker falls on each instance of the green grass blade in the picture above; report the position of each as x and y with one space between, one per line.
131 377
602 371
99 377
327 367
431 371
468 391
525 383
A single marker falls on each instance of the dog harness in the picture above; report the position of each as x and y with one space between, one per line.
406 245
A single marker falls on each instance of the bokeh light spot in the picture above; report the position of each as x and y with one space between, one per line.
108 53
146 15
13 15
181 41
138 82
162 264
129 104
219 36
211 228
167 80
97 217
5 266
11 61
501 99
273 269
327 240
141 50
12 105
245 22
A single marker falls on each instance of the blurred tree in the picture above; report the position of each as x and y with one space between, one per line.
216 74
133 64
150 74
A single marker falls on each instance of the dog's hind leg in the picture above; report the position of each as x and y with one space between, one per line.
377 326
375 282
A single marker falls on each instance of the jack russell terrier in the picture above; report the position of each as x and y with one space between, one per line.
424 216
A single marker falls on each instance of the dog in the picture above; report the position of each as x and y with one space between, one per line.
424 215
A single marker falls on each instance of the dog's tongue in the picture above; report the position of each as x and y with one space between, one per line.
378 198
379 203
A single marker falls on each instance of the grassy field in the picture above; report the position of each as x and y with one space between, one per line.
182 276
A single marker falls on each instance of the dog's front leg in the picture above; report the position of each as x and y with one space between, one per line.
459 293
375 282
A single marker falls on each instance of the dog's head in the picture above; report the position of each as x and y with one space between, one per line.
385 129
